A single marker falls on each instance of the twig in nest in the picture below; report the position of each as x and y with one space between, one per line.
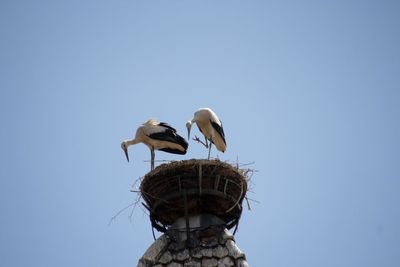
256 201
247 164
134 187
159 160
133 205
248 204
119 212
248 173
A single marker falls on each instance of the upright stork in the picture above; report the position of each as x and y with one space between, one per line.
211 127
157 136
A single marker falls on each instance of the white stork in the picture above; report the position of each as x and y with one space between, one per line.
157 136
211 127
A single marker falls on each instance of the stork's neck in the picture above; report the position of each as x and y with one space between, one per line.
192 121
131 142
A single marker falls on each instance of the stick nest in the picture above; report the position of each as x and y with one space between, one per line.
209 186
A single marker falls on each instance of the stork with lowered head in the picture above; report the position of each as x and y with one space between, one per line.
157 136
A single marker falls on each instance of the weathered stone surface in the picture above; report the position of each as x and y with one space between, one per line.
242 263
226 262
196 253
174 264
141 264
192 263
209 242
233 250
220 252
206 262
183 255
207 252
165 258
146 263
163 253
176 246
153 252
226 235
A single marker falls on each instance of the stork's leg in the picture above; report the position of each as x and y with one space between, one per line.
209 150
201 142
152 158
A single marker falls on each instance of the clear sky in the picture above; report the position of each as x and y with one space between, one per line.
308 91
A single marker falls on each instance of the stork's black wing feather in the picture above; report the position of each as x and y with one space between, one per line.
167 135
166 125
219 129
171 136
173 151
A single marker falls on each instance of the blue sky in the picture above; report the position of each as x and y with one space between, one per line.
308 91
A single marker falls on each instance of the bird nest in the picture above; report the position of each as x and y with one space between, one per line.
190 187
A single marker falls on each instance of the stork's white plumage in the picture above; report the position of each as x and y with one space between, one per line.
157 136
211 127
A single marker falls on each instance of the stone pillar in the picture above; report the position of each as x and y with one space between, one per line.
217 248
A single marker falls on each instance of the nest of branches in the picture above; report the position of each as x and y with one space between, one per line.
190 187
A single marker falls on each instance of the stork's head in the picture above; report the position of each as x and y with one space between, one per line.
189 126
124 147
